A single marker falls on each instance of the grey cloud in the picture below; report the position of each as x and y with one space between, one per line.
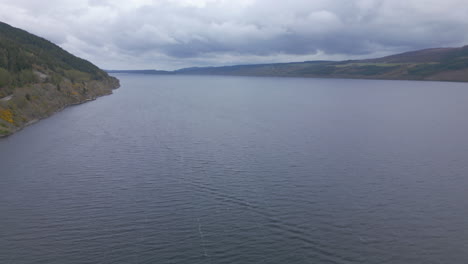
168 34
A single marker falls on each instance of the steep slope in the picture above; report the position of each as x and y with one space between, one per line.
38 78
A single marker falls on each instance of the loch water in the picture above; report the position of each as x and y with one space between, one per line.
213 169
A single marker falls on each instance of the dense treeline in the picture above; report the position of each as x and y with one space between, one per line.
21 53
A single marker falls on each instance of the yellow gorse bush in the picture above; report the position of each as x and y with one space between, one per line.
6 115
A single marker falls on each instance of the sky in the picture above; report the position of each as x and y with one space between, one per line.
172 34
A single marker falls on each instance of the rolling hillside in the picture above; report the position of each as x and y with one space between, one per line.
440 64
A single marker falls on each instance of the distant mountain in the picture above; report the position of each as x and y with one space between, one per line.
38 78
440 64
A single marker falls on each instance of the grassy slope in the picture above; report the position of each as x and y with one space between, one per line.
38 78
444 64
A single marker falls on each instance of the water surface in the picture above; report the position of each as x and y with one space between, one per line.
192 169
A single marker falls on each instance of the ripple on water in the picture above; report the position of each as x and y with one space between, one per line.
192 169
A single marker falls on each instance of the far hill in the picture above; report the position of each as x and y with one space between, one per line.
440 64
38 78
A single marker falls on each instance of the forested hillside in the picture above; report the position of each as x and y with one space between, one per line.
38 78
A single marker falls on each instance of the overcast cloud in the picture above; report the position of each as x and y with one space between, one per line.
170 34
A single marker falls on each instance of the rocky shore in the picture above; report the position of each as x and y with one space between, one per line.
34 102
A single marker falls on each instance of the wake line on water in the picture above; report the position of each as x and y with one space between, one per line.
202 237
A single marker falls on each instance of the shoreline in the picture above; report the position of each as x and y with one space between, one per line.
114 84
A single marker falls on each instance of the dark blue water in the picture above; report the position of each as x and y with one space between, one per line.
187 169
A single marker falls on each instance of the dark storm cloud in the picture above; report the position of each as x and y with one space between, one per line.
169 34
